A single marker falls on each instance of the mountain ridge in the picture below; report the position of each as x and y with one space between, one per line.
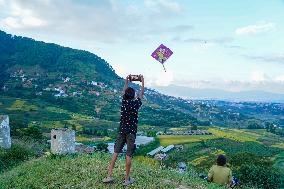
219 94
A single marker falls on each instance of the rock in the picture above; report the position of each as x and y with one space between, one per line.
5 137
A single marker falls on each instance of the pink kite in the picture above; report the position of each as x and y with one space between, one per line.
162 53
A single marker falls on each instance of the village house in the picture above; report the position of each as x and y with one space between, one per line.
65 80
153 152
179 147
182 167
168 148
160 156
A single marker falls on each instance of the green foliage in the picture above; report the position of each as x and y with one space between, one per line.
13 156
32 132
194 127
151 133
260 176
253 124
102 147
238 159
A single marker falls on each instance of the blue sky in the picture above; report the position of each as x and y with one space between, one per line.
230 45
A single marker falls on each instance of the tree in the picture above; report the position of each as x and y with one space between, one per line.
33 132
194 127
254 125
102 147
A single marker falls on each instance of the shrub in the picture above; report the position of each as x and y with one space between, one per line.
260 176
102 147
13 156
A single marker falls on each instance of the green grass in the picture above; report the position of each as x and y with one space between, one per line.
235 134
279 161
87 172
181 139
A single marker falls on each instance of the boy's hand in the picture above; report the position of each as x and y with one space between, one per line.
128 77
142 78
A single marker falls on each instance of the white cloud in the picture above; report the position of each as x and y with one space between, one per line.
255 29
20 18
274 58
120 70
101 21
161 79
259 76
280 78
163 5
2 2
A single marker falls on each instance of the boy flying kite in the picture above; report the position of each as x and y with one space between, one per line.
127 129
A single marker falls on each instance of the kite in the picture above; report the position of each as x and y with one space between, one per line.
161 54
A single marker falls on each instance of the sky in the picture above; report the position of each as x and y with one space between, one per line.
229 45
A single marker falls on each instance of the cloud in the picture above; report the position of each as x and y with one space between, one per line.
273 58
161 79
120 70
255 29
222 40
160 5
259 76
258 81
280 78
101 21
20 18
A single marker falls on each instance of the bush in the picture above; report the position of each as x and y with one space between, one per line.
260 176
102 147
13 156
33 132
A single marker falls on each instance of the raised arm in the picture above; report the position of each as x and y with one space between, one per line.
126 83
142 87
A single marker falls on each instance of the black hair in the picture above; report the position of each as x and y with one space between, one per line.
129 94
221 160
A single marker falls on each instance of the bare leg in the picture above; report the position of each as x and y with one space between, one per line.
112 163
127 166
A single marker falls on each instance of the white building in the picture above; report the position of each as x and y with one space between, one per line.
5 138
168 148
155 151
182 167
94 83
66 79
160 156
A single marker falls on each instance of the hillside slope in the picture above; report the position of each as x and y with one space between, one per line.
75 80
87 172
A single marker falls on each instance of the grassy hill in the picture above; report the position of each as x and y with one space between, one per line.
33 72
87 171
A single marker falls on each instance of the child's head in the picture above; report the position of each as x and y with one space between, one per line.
221 160
129 93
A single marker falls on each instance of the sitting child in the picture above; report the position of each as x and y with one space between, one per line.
220 173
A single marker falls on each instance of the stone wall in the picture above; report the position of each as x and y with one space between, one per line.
62 141
5 138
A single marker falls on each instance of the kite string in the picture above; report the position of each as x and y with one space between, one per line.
164 67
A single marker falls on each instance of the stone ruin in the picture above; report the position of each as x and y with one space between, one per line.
5 138
62 141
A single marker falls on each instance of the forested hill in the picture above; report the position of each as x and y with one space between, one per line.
35 75
74 80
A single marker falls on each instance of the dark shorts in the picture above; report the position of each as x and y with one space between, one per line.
129 140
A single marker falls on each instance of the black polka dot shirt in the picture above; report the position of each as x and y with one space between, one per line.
129 116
